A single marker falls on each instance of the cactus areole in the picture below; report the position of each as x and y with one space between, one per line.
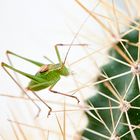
121 121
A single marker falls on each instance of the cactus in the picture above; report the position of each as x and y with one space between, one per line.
114 112
110 119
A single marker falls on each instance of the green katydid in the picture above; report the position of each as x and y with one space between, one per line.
47 76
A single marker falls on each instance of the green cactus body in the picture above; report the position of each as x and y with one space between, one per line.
96 128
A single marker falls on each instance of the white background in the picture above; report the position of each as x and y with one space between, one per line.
31 28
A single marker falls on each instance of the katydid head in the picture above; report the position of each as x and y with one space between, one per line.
63 71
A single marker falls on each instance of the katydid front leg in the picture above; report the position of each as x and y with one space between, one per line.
58 54
51 89
60 93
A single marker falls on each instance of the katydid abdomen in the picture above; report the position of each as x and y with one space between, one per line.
47 79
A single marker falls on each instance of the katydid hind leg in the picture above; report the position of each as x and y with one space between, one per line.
24 58
31 77
64 94
22 90
11 64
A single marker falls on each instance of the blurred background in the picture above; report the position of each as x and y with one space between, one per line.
31 28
